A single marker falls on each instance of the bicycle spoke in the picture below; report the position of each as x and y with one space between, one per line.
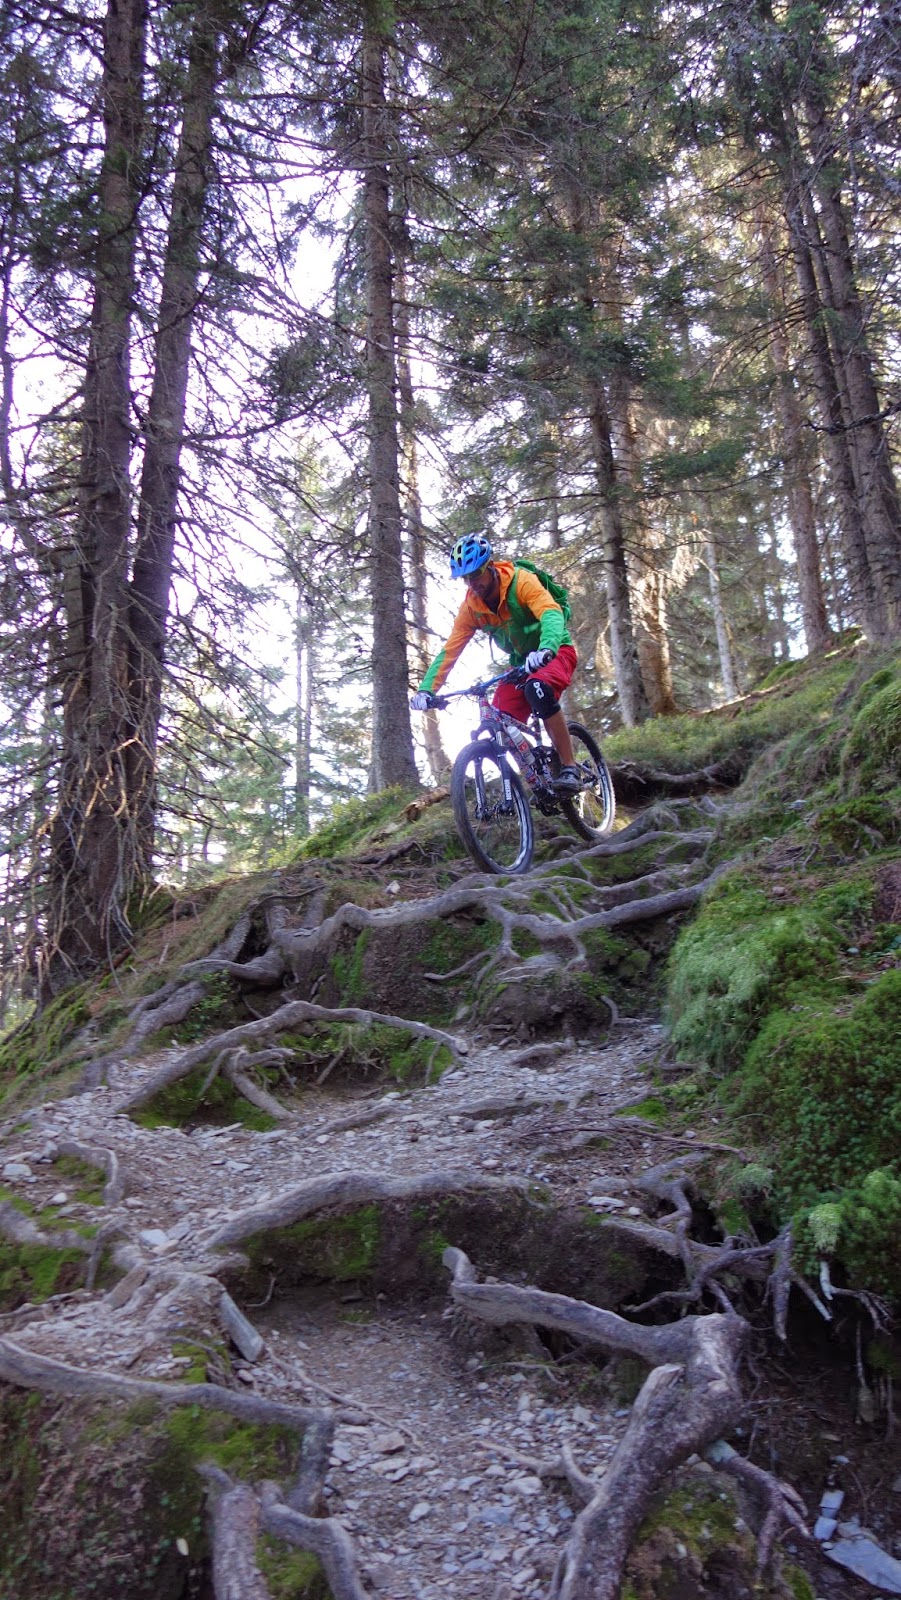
491 810
591 812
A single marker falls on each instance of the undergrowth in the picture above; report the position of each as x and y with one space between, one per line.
785 989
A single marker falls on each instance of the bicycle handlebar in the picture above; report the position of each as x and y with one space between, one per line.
512 675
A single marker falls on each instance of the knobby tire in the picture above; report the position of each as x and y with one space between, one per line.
502 839
591 813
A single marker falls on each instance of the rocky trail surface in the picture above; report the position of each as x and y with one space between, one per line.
436 1476
491 1309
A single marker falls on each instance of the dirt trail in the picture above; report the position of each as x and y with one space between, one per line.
435 1474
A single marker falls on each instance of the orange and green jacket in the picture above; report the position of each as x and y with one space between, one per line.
527 618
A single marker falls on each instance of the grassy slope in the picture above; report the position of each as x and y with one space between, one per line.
785 990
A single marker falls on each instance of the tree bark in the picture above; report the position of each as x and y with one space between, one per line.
645 564
93 851
633 702
723 642
833 430
152 575
799 494
303 714
438 760
847 324
393 761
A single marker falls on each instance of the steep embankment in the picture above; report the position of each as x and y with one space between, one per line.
318 1095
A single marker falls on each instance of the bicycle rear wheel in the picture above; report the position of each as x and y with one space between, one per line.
592 810
491 810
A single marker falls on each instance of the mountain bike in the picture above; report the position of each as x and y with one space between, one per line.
508 770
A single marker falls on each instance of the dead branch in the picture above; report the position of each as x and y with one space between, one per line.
344 1190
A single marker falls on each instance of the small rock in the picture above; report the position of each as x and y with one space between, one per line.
868 1560
16 1169
580 1414
153 1238
527 1485
420 1510
606 1202
58 1199
388 1443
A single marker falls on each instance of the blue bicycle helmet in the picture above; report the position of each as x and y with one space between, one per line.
469 554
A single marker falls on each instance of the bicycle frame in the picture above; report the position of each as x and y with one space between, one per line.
521 741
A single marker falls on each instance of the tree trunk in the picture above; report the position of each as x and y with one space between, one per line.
723 642
93 848
438 760
152 576
799 494
633 703
644 562
847 326
393 761
833 429
303 714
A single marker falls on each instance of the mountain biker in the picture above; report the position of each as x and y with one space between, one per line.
511 605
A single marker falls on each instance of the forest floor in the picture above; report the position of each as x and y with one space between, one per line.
439 1468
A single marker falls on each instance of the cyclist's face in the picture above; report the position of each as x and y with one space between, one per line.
486 584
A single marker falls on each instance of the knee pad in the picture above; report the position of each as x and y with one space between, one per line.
541 698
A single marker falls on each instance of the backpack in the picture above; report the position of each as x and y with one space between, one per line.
555 590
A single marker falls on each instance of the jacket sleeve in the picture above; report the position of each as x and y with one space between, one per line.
532 594
464 627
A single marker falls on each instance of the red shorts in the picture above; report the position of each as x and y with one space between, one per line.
558 674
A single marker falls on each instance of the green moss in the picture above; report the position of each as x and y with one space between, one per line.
43 1046
217 1010
738 734
91 1180
734 963
798 1583
249 1451
686 1527
290 1574
351 824
824 1081
34 1272
187 1100
347 971
866 823
871 754
336 1248
651 1109
375 1050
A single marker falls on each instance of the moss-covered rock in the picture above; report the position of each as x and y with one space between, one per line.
97 1501
696 1545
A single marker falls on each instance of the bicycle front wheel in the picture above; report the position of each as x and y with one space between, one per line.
592 810
491 810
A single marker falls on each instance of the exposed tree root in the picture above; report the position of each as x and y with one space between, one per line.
235 1515
635 783
27 1370
346 1190
287 1016
326 1538
691 1397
